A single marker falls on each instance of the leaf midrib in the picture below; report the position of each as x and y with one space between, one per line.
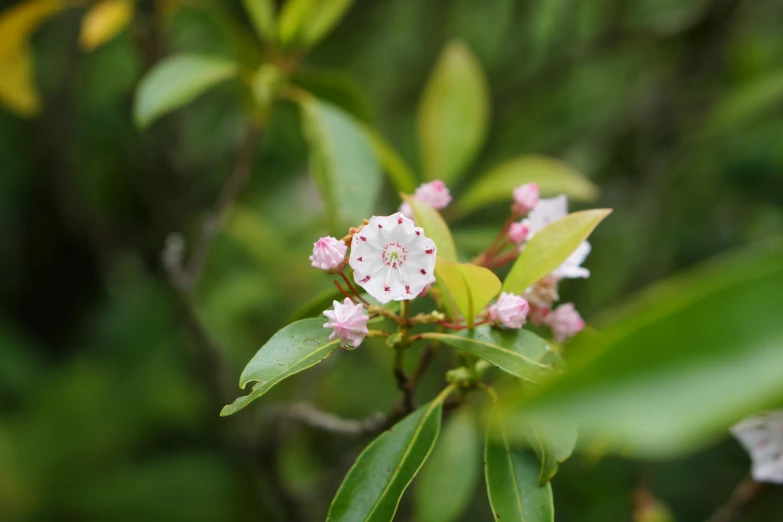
434 335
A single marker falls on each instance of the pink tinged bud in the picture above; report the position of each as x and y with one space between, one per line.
518 232
565 322
762 437
392 259
406 210
328 253
537 315
510 310
525 198
423 293
349 323
435 194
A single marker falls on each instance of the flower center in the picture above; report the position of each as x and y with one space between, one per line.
394 255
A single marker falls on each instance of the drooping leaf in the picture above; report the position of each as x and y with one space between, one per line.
445 487
518 352
550 247
687 359
262 15
104 21
434 227
398 172
552 176
512 483
342 162
296 347
453 114
471 287
373 487
551 444
176 81
17 88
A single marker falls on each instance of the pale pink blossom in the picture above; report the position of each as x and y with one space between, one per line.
525 198
762 436
537 315
435 194
546 212
564 321
328 253
519 231
543 293
349 323
392 259
510 310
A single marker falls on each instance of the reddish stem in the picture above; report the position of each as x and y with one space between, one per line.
351 287
501 260
342 291
461 326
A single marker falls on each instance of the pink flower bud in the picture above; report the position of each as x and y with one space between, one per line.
349 322
525 198
435 194
328 253
565 322
510 310
518 232
423 293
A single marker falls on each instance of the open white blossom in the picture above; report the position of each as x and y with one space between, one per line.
762 437
547 211
392 259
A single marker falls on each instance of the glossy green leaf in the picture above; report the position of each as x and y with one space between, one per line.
550 247
445 487
296 347
453 114
512 484
471 287
398 172
343 163
434 227
552 176
373 487
552 444
262 15
176 81
518 352
684 361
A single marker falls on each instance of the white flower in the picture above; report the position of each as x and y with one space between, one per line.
349 322
510 310
519 231
564 321
392 259
525 198
328 253
547 211
435 194
762 437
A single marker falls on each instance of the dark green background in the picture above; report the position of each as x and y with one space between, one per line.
105 410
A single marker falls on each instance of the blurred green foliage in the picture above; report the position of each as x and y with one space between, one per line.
672 108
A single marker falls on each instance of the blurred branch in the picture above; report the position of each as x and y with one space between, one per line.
745 492
311 416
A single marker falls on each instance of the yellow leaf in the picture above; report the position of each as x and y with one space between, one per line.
471 287
19 22
17 89
104 21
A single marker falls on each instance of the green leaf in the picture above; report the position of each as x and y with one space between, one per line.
293 17
434 227
552 176
176 81
552 444
399 173
324 19
262 15
472 287
373 487
445 487
342 162
518 352
335 87
684 361
512 484
746 103
550 247
453 114
296 347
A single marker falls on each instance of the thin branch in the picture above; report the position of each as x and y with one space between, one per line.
353 289
342 290
745 492
228 195
311 416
